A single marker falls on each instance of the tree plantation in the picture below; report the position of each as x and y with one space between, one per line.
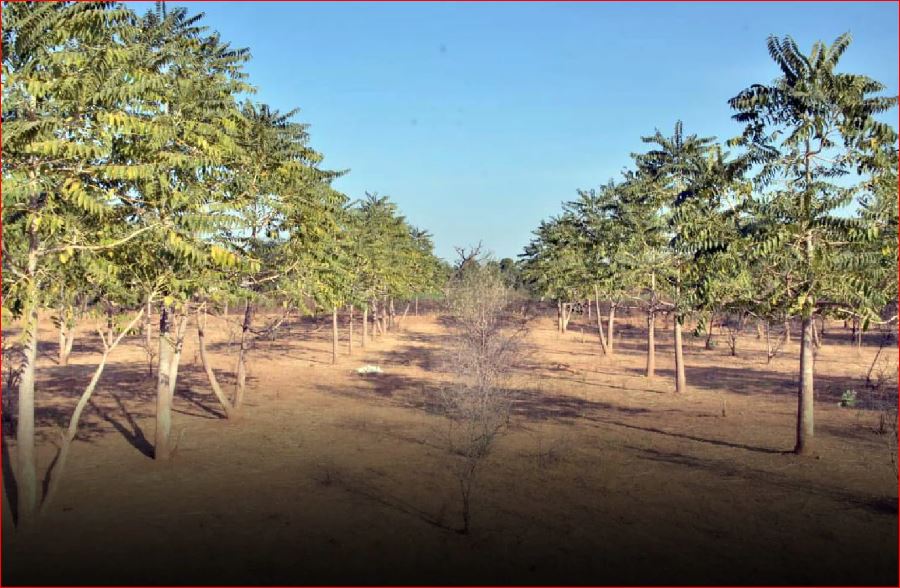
218 368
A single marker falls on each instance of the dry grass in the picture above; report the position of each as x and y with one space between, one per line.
330 477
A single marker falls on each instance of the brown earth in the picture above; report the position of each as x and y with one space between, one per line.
329 477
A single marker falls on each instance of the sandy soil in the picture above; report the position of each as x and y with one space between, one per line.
329 477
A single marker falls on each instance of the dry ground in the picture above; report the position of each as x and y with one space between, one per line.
330 477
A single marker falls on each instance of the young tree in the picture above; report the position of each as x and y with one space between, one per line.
806 132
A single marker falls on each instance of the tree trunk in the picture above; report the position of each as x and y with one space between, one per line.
403 316
651 326
148 335
66 340
26 475
365 325
603 345
815 337
559 320
680 380
210 374
787 331
334 335
350 336
805 396
651 344
417 306
163 386
589 304
610 320
709 332
759 330
242 357
67 437
176 355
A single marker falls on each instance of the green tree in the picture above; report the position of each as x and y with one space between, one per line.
806 132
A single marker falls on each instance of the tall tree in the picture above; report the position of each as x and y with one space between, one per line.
806 132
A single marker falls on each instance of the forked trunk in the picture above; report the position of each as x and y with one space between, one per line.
709 332
68 436
163 431
805 399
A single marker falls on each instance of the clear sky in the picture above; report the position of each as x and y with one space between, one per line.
478 119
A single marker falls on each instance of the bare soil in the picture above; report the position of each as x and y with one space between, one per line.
329 477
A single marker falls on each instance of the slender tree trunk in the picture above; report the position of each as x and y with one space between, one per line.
610 320
815 336
651 335
759 330
403 316
417 306
67 437
680 379
787 331
589 305
163 386
210 374
176 355
66 339
365 325
709 331
603 345
148 334
559 319
334 335
805 398
26 475
350 336
651 344
242 356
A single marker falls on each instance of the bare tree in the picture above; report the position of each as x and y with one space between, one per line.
486 341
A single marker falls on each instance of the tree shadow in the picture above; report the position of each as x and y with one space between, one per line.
716 442
132 433
875 504
9 478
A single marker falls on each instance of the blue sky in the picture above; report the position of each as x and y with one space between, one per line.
478 119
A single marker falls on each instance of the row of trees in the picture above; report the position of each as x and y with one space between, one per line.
800 224
138 180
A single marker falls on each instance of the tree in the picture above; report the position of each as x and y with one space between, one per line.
805 132
673 167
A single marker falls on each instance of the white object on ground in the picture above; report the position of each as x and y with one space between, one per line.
368 369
